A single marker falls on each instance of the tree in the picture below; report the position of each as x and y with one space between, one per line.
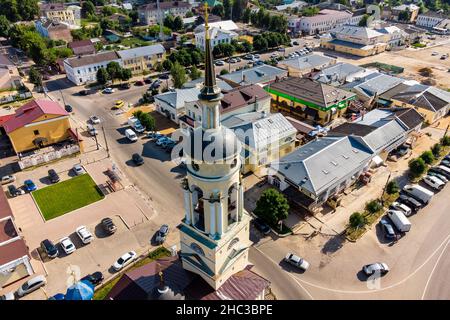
247 46
238 9
218 10
363 21
189 14
445 141
427 157
88 8
226 9
195 73
169 21
436 149
272 206
310 11
246 15
5 25
158 67
417 167
114 70
125 74
102 76
167 65
392 187
27 9
373 206
35 77
178 23
178 74
404 15
260 43
223 49
357 220
145 119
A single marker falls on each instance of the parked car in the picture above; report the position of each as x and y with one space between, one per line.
399 220
248 57
446 163
232 60
29 185
438 175
409 201
401 207
8 296
108 225
137 159
434 53
31 285
67 245
124 260
162 139
125 85
108 90
78 169
377 267
94 119
84 92
164 76
168 145
441 170
420 193
238 59
259 63
94 278
49 248
256 56
148 80
297 261
139 83
388 229
219 63
295 43
154 135
433 182
53 176
68 108
84 234
14 192
119 104
162 234
8 179
156 84
261 226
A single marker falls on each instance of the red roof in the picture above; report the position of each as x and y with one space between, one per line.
32 111
5 118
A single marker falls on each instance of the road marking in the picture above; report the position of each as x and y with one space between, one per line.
446 240
295 279
432 271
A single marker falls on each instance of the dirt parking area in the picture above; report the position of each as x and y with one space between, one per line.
412 60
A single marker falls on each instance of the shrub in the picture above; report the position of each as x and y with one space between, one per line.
427 157
445 141
417 167
223 71
426 72
357 220
436 150
373 206
392 187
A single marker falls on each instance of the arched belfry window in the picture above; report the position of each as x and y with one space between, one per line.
197 249
199 212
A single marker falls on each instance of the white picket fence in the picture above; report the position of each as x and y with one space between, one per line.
38 159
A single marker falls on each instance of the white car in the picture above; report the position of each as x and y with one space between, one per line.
434 53
67 245
434 182
8 179
220 63
94 119
84 234
401 207
124 260
108 90
438 175
31 285
297 261
78 169
377 267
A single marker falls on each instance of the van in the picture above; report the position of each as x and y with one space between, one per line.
131 135
418 192
400 221
433 182
92 130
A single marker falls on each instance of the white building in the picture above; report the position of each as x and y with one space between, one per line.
83 69
430 19
323 22
218 36
173 104
150 15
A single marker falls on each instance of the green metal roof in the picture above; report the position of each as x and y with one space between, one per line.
197 237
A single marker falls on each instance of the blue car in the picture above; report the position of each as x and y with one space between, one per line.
29 185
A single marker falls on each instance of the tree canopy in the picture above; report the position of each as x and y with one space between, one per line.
272 206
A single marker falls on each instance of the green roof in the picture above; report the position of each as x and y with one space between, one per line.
197 237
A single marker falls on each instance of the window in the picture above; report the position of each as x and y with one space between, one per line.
36 132
197 249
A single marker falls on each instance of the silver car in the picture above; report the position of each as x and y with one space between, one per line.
31 285
297 261
377 267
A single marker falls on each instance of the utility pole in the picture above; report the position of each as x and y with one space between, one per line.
96 141
446 130
106 141
384 189
62 97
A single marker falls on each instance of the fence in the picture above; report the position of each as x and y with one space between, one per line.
16 97
38 159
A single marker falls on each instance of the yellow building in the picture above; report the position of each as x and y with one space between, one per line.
59 12
37 124
141 59
359 50
310 100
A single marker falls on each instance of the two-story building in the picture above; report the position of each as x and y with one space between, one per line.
297 67
219 32
58 11
173 104
82 47
323 22
83 69
263 75
141 59
411 9
53 30
308 99
150 14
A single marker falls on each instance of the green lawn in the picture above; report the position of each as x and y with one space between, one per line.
66 196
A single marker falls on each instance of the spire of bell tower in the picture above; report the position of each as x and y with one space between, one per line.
210 90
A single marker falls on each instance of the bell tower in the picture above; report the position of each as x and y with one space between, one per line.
214 233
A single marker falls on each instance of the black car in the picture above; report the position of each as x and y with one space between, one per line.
125 85
49 248
84 92
261 226
14 192
164 76
440 171
162 234
137 159
155 85
148 80
388 229
53 176
94 278
108 225
68 108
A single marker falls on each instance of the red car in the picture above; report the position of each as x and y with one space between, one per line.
139 83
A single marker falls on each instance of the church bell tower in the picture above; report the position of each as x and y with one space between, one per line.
214 233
